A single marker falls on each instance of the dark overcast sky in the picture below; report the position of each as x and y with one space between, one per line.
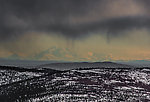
42 29
72 18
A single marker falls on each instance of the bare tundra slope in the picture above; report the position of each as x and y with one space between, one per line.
92 84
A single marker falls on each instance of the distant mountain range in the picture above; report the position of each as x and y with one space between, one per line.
75 65
136 63
24 63
71 65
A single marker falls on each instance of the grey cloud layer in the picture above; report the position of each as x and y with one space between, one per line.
71 18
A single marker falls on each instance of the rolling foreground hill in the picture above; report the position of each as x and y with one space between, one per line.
92 84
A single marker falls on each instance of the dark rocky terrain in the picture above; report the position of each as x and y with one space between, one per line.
92 84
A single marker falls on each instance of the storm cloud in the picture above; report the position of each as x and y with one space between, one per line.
72 18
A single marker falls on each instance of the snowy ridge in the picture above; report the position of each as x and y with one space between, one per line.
92 84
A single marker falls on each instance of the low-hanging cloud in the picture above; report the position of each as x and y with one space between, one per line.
72 18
